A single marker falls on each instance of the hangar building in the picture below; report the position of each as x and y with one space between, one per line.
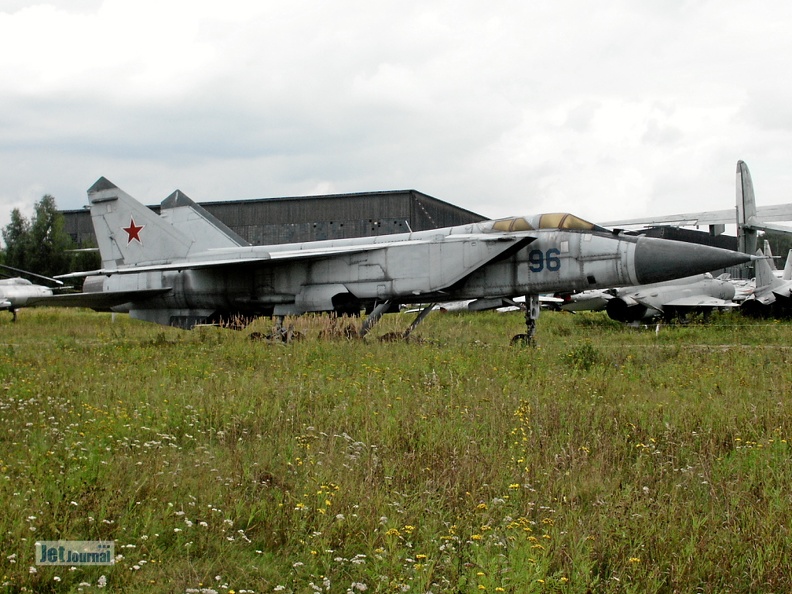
270 221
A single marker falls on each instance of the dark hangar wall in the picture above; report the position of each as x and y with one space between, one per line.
689 235
312 218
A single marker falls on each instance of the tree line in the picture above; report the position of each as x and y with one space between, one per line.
780 244
41 244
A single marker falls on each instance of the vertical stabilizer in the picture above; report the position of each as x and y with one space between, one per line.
746 210
768 252
788 267
205 230
128 232
764 276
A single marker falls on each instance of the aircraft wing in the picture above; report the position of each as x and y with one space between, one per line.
783 291
258 257
764 226
699 301
97 300
263 256
777 212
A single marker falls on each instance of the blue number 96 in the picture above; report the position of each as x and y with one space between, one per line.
539 260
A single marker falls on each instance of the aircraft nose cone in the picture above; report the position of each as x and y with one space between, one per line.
658 260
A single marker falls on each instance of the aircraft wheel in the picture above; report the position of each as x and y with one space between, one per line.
522 340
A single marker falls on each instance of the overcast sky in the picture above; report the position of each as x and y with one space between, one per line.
608 110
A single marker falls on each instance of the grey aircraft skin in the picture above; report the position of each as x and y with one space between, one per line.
677 298
635 305
15 293
182 268
771 295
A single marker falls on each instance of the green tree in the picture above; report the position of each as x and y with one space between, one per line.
40 245
50 247
16 236
86 260
780 244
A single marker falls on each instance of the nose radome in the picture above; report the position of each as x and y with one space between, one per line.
658 260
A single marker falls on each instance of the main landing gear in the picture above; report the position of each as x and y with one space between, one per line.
531 315
377 312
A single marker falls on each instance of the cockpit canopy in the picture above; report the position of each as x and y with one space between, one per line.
556 220
15 281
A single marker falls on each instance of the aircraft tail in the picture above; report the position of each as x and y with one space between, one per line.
768 252
746 210
788 267
129 233
205 230
764 275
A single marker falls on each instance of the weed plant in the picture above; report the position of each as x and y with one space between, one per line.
607 459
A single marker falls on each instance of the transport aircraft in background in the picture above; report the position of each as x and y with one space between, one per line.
183 268
749 218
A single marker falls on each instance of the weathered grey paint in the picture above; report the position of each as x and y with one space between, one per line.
183 282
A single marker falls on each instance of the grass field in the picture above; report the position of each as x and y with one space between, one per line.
605 460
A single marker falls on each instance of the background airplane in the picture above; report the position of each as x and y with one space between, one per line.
700 293
748 217
771 295
164 269
16 292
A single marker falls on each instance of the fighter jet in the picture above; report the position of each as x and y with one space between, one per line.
767 252
186 270
637 305
701 293
771 295
16 292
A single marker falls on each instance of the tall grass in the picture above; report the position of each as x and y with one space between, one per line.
605 460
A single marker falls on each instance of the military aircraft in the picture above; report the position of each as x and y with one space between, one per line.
770 258
748 217
701 293
16 292
182 268
771 295
677 298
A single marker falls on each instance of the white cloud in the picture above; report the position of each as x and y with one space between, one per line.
607 110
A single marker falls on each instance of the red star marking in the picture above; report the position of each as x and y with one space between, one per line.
133 231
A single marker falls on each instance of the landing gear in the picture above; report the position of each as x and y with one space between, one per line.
376 314
421 316
280 334
374 317
531 315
